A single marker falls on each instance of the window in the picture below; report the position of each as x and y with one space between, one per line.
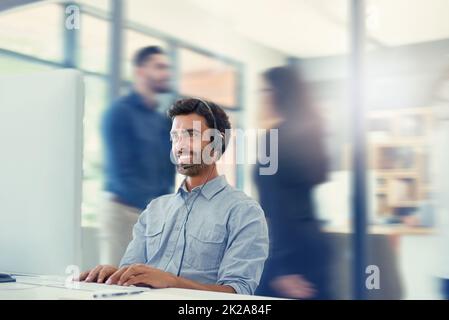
98 4
9 65
208 78
95 103
94 44
35 31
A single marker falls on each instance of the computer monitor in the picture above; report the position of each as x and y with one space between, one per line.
40 171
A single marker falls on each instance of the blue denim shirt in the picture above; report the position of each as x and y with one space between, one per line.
226 236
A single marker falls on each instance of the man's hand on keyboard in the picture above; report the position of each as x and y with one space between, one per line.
142 275
98 274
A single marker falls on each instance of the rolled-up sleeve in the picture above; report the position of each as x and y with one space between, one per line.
246 250
136 250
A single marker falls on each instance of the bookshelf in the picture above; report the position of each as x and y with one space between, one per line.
398 145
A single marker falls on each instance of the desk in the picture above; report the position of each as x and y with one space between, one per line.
22 290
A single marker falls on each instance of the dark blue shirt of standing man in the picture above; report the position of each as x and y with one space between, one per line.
137 147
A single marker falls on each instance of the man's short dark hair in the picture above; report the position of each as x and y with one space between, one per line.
145 53
192 105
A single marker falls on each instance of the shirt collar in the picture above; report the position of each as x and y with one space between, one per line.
210 189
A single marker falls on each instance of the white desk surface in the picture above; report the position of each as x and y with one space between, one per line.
21 290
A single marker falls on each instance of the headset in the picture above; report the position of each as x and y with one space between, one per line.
218 140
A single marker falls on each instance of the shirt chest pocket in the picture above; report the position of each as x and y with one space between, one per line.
205 247
153 238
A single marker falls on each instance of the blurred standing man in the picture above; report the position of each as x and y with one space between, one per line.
137 153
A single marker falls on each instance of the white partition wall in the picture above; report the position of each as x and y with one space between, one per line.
40 171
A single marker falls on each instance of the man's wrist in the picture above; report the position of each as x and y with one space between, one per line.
174 282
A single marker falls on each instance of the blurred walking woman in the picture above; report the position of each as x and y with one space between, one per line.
299 257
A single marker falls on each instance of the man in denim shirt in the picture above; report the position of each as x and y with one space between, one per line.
206 236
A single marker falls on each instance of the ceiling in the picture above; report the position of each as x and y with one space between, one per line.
310 28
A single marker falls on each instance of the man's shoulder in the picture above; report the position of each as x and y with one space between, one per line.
122 104
118 111
239 200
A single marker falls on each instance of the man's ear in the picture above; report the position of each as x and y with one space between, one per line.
136 71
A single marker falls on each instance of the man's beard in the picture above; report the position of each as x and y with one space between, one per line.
162 88
190 170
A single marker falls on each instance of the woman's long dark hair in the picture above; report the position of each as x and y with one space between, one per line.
290 94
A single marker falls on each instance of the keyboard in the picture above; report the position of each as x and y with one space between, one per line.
61 282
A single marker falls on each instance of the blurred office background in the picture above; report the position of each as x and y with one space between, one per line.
219 49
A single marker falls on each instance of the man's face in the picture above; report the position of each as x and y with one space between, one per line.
155 73
187 143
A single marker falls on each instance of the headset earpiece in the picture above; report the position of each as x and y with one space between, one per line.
218 142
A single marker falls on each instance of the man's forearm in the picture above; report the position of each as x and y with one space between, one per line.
184 283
